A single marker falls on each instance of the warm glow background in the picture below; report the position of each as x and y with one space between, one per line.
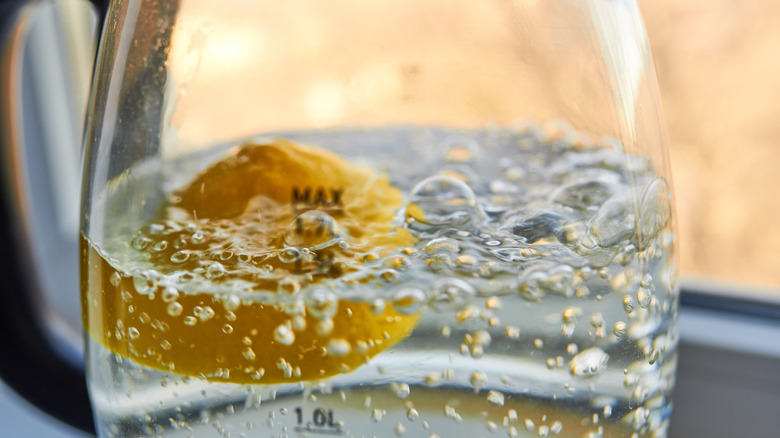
718 64
719 75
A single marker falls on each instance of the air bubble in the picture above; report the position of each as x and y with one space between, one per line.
170 294
443 245
115 279
290 255
160 246
197 237
298 323
204 313
284 334
643 297
614 222
533 224
441 201
478 380
590 362
654 210
628 304
321 303
452 294
133 333
313 229
586 194
175 309
452 414
619 329
496 398
338 347
232 302
140 242
408 300
460 149
143 285
412 414
324 327
470 313
402 390
432 379
493 303
289 285
249 354
571 314
215 270
500 187
512 332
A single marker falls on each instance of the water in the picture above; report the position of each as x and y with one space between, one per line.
432 283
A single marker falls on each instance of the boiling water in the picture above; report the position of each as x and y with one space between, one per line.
540 267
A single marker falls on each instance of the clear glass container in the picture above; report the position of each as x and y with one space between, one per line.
419 218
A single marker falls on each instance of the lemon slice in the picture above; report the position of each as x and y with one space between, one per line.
288 219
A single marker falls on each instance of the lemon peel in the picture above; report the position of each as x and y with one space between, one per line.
296 197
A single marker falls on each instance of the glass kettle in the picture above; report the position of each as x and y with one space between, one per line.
379 218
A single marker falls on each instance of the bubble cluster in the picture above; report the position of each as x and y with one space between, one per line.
521 244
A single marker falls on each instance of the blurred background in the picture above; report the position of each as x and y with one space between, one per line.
719 74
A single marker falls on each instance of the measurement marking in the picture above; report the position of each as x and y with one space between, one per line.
320 431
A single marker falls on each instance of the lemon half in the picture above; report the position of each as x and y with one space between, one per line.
263 203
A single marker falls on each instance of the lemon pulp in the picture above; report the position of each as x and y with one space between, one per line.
282 217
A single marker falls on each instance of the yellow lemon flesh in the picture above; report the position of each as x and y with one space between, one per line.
275 219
